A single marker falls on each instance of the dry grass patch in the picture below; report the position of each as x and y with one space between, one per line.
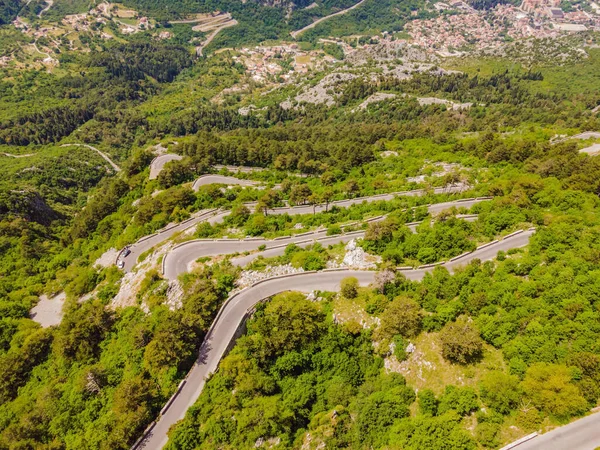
425 368
353 310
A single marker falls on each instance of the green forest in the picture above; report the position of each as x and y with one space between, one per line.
471 359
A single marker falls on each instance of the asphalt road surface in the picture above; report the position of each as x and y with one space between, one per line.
234 312
158 164
297 33
234 169
101 153
147 243
179 259
583 434
220 179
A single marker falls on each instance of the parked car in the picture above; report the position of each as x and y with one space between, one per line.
120 264
126 252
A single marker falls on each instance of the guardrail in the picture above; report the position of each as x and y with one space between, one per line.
270 279
372 219
289 238
520 441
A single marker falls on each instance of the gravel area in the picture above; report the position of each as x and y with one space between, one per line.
48 312
108 258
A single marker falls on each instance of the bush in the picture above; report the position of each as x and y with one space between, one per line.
400 348
308 260
349 287
461 400
332 230
428 404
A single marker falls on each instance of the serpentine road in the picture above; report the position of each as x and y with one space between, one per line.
297 33
158 164
243 169
102 154
235 310
205 180
178 260
214 216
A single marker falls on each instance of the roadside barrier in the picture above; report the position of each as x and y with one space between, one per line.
486 245
520 441
232 298
372 219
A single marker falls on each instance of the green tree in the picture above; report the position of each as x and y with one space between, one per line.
500 391
549 387
288 322
443 433
402 316
239 215
300 194
428 404
268 201
327 196
377 413
328 178
461 342
351 188
462 400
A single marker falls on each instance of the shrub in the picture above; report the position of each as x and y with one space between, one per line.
333 230
428 404
400 348
349 287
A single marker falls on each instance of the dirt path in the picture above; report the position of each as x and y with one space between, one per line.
41 52
102 154
297 33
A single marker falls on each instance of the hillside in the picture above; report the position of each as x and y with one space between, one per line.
380 231
9 10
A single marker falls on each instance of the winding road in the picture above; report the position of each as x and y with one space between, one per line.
236 308
243 169
47 8
215 216
297 33
10 155
102 154
158 164
213 35
179 260
205 180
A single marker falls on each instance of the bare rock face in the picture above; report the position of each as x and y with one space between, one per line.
249 277
174 295
356 257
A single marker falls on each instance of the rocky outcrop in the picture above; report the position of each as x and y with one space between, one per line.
27 204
